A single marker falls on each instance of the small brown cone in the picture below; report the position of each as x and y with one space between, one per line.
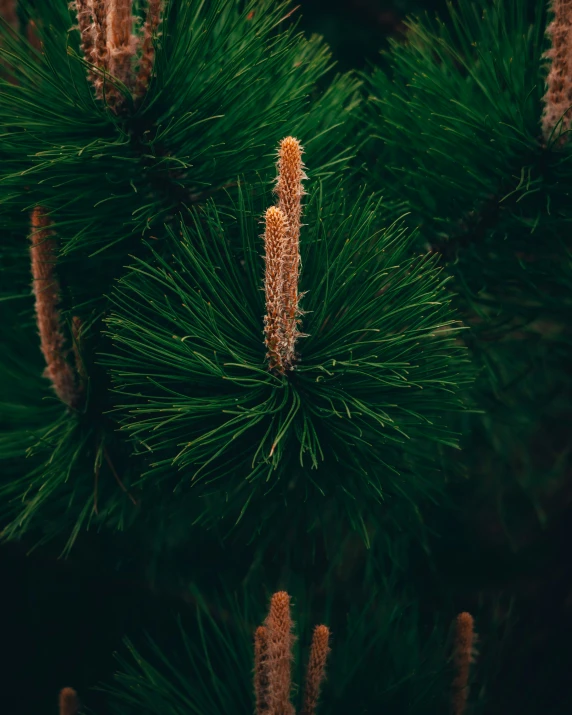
150 28
99 49
557 114
9 13
83 10
462 657
261 670
46 289
274 238
68 701
316 671
280 642
122 43
290 191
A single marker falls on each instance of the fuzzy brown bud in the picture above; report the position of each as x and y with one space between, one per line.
68 702
279 654
316 672
150 28
46 289
261 670
274 238
290 191
462 658
557 114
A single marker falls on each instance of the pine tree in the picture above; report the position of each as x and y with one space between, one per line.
270 334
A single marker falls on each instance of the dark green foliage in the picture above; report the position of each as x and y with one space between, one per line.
230 79
378 373
227 86
442 251
459 123
211 670
456 129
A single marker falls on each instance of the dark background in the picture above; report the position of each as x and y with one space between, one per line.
62 619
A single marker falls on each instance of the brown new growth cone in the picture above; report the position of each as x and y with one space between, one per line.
147 49
109 43
68 702
122 43
260 669
46 290
316 671
290 191
462 658
83 9
273 644
557 114
282 245
279 655
9 12
274 238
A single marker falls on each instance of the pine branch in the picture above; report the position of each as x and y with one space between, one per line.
192 376
47 292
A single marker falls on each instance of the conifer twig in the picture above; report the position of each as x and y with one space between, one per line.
316 670
279 654
558 96
290 191
150 27
462 657
68 702
46 289
260 670
274 238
